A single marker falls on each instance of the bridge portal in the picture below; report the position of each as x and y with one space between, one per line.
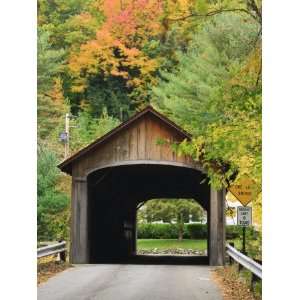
127 166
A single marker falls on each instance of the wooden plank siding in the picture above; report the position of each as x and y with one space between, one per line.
139 142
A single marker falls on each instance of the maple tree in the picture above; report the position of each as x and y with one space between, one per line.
118 49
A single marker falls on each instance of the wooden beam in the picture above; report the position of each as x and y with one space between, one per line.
79 223
217 228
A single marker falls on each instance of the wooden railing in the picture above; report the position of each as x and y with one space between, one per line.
58 248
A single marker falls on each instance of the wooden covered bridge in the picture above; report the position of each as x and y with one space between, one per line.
123 168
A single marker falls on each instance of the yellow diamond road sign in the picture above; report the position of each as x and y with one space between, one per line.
242 190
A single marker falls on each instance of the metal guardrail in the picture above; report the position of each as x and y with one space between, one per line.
245 261
53 249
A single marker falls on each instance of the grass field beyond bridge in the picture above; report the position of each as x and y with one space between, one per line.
164 244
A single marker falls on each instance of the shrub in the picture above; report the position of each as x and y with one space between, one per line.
157 231
191 231
196 231
170 231
52 204
233 232
236 232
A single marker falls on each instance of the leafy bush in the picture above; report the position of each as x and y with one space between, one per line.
52 204
196 231
233 232
157 231
170 231
191 231
236 232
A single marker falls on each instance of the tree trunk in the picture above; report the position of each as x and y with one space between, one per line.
180 228
180 233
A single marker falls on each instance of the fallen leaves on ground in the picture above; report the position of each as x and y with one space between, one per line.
47 269
231 285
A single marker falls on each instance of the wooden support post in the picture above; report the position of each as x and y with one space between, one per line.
134 233
79 222
217 228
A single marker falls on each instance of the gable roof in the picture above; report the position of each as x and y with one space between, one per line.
66 165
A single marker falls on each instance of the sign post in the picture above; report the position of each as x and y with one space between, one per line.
244 219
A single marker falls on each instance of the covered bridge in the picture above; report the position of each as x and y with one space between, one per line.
127 166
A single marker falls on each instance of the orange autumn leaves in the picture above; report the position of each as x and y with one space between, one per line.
117 49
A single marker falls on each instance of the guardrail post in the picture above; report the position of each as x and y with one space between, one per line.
62 255
240 267
230 258
254 279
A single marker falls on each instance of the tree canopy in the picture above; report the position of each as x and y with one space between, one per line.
198 61
179 211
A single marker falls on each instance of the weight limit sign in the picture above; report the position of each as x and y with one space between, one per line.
244 216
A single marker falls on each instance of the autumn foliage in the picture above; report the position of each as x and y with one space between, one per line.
197 61
118 47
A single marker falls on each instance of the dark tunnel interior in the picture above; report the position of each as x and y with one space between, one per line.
114 194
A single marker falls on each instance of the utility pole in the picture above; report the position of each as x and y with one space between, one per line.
65 135
67 131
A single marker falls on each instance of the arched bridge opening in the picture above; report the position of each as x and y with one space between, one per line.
115 193
175 228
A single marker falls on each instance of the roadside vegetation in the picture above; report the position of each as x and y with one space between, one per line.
49 266
235 284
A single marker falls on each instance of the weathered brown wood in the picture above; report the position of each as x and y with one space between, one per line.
79 222
137 142
217 228
140 146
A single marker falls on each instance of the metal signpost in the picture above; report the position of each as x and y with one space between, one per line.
244 219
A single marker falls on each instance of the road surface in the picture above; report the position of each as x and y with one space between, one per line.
131 282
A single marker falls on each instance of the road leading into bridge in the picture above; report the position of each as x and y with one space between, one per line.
131 282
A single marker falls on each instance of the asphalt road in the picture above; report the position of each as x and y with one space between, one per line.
134 282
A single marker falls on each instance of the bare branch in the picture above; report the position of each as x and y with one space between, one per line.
253 6
216 12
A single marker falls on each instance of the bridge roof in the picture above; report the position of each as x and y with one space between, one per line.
66 165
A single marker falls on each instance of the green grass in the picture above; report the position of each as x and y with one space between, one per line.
148 244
